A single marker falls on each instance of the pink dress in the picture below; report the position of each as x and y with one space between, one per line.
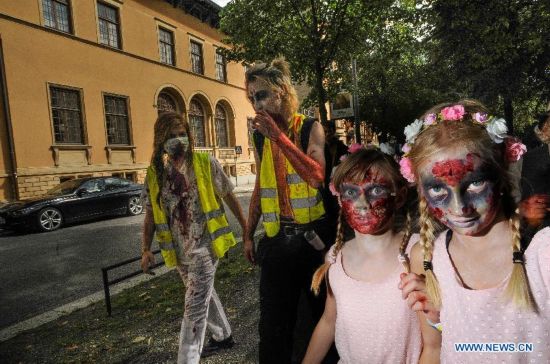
482 316
373 322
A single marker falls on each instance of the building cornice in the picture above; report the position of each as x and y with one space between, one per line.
97 45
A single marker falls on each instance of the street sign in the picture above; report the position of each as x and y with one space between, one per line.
342 106
238 149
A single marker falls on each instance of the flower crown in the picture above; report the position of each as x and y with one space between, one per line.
496 128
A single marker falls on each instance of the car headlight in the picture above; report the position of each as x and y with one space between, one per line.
24 211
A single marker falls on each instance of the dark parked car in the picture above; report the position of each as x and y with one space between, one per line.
75 200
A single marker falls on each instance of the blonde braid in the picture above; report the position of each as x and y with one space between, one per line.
427 238
322 271
403 257
518 287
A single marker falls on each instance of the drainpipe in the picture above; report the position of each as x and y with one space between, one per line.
7 115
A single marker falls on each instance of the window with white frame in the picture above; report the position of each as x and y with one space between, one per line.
66 115
116 120
109 25
197 65
221 68
197 121
220 121
57 14
166 47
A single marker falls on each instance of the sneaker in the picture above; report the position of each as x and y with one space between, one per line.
214 346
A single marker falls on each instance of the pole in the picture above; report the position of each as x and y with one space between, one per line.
356 122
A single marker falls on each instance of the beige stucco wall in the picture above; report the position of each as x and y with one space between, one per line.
35 57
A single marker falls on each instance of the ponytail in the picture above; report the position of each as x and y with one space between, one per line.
518 287
427 238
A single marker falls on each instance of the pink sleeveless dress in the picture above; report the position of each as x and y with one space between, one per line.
373 323
485 317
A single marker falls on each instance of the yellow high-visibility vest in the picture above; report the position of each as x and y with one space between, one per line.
306 201
216 221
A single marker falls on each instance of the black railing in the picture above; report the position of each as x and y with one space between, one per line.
107 282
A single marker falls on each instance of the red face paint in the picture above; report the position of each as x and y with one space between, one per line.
367 207
453 171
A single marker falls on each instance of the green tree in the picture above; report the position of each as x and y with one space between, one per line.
495 50
315 36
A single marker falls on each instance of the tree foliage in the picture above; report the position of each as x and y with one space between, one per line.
315 36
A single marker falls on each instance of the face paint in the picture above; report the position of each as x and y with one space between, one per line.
369 206
176 147
262 97
461 193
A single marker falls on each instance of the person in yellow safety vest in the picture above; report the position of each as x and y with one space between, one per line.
185 216
290 165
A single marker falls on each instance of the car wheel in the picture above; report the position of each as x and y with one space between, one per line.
134 206
49 219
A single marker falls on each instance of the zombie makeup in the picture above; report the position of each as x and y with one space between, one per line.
176 147
461 193
367 206
262 97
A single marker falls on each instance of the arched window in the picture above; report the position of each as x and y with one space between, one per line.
222 137
165 102
196 119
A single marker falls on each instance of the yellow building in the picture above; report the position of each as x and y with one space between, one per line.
82 82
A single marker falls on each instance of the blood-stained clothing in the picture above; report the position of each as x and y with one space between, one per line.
196 260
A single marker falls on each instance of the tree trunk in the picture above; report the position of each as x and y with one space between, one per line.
509 114
321 95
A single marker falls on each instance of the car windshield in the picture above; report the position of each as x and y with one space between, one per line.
65 187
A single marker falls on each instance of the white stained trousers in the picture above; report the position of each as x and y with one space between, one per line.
202 306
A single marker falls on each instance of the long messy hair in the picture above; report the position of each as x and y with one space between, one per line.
277 75
166 121
466 134
355 168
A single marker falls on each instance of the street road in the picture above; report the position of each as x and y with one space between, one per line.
42 271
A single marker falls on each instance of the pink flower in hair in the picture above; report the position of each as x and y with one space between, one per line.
406 148
406 169
343 158
355 147
430 119
514 149
481 117
333 189
455 112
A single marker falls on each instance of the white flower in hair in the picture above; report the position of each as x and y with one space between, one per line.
412 131
386 149
497 130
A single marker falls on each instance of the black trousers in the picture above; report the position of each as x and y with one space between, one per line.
287 267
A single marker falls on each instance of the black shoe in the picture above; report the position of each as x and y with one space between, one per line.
214 346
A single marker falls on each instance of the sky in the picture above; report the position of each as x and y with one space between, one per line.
221 2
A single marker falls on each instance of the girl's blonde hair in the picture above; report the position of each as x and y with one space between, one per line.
354 169
473 137
277 75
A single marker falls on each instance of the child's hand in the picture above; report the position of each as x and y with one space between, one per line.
413 289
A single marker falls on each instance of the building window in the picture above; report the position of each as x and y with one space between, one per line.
66 115
109 26
196 118
220 123
57 14
116 117
165 102
196 58
221 70
166 47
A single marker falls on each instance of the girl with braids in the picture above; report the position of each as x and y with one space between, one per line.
364 313
480 286
185 216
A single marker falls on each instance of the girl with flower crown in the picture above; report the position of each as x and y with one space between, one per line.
364 312
474 281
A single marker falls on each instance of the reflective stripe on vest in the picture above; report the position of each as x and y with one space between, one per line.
216 222
163 237
306 201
